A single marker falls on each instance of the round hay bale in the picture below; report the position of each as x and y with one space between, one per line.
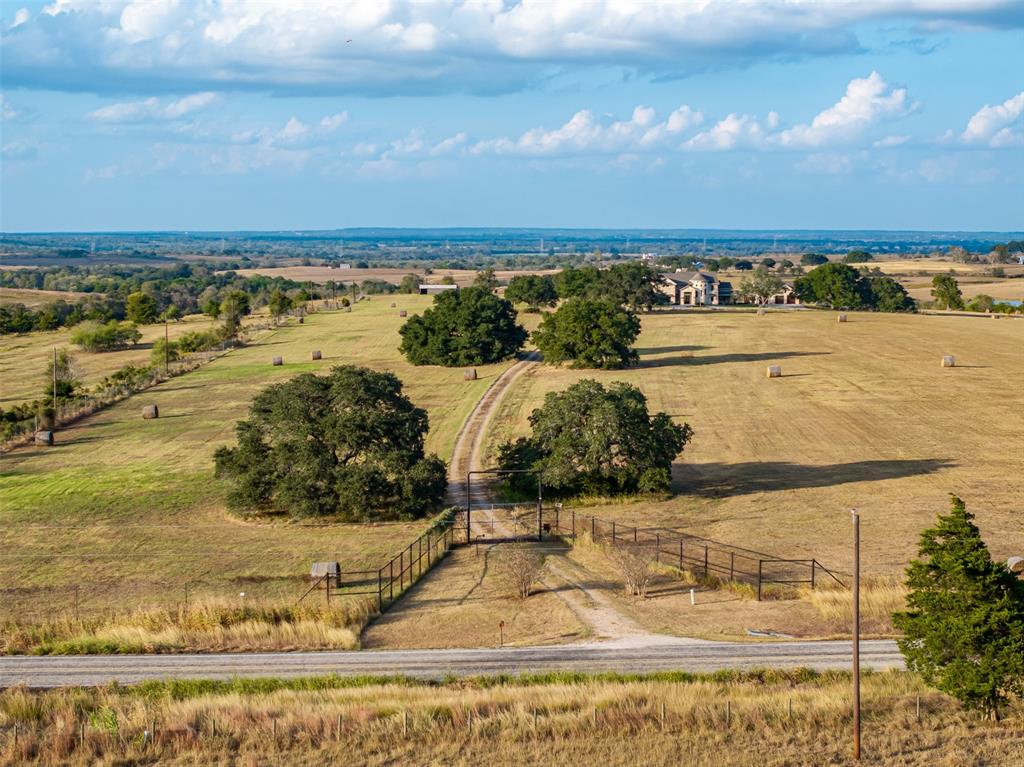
302 320
994 316
949 361
774 371
394 305
1016 565
403 313
315 355
278 361
150 411
44 438
469 374
841 318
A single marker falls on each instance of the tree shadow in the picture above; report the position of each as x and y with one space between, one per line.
668 349
715 359
716 480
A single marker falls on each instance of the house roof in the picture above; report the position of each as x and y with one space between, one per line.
685 278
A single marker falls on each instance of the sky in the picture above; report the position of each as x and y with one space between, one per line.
123 115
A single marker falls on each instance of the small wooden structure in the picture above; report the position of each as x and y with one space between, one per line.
469 374
330 571
403 313
949 361
774 371
44 438
150 411
278 361
841 318
315 355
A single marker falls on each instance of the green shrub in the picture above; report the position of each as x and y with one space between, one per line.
104 337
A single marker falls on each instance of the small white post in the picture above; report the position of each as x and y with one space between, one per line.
693 596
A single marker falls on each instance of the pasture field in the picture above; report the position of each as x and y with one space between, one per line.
23 358
864 416
911 266
921 289
36 298
785 718
127 510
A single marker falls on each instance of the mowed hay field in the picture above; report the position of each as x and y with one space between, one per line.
864 416
128 510
323 274
23 358
36 298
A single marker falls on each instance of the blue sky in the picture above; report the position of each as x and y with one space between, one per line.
266 114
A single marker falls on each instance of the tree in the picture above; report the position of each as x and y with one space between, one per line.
964 626
632 284
164 351
768 263
888 295
946 292
520 566
172 313
141 308
635 562
471 326
534 290
835 285
813 259
279 303
349 443
743 265
592 333
68 379
94 336
410 284
486 279
982 303
233 307
574 283
596 440
858 257
760 286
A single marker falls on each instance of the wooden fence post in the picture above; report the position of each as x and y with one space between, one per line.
732 565
705 560
680 553
613 532
657 548
760 563
593 528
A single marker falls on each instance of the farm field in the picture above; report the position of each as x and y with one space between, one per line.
864 416
127 511
998 289
23 358
36 298
911 266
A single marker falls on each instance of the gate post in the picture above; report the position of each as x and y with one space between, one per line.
380 590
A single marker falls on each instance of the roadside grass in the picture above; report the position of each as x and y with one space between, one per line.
124 513
863 417
461 602
786 718
207 626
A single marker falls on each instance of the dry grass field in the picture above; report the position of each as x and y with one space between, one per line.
795 718
126 511
322 274
864 416
911 266
23 358
36 298
921 289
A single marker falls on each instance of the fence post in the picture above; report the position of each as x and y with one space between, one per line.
732 564
557 526
380 590
760 562
613 532
401 570
391 579
814 562
680 553
419 559
634 535
593 528
705 560
574 525
657 548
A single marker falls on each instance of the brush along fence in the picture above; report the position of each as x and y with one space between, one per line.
700 556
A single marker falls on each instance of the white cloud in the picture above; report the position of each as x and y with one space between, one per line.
153 109
7 112
333 122
826 163
867 101
997 126
293 130
20 17
735 131
483 45
888 142
586 134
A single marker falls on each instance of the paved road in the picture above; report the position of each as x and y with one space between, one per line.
625 656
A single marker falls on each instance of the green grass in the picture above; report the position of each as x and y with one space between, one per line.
128 510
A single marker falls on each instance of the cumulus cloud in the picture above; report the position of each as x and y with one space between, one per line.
7 112
153 109
867 101
735 131
997 126
478 45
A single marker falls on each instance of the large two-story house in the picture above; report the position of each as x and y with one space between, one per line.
696 289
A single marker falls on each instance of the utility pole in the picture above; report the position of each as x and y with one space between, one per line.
167 350
856 634
54 426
